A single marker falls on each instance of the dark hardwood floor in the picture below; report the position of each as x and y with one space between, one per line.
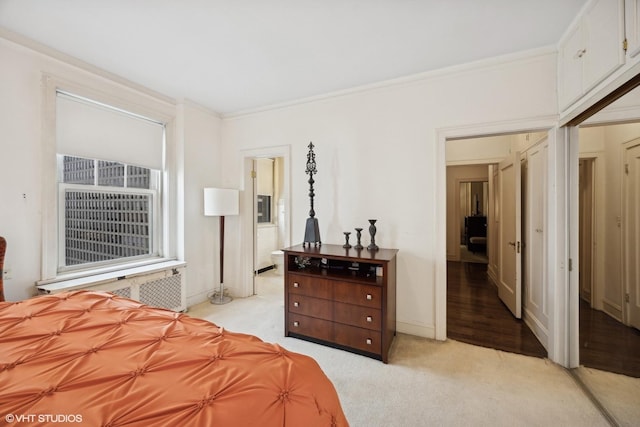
476 315
607 344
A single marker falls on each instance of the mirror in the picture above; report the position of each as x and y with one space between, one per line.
474 198
609 340
474 204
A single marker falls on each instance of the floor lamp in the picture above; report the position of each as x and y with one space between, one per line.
221 202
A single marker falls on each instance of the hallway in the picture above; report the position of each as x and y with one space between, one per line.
607 344
475 314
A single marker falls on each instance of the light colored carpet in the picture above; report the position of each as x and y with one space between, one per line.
619 394
426 383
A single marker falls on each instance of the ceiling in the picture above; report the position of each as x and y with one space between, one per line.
237 55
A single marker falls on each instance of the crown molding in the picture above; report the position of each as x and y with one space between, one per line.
37 47
192 104
418 78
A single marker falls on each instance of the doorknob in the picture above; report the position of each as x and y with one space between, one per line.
512 244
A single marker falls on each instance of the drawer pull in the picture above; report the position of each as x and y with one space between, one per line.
368 341
369 297
296 324
296 284
369 319
296 304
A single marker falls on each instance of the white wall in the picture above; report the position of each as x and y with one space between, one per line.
491 149
376 152
201 169
21 120
20 188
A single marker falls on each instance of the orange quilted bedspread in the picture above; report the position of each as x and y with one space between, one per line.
94 359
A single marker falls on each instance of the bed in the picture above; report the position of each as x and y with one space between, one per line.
92 358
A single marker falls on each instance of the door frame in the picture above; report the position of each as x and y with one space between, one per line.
247 199
597 227
626 256
557 213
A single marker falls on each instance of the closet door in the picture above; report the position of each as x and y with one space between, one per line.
632 26
604 37
571 51
535 288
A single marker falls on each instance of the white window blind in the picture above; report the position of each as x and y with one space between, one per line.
89 129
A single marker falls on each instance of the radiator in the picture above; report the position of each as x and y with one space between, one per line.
160 285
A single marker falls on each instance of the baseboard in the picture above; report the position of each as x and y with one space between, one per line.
493 275
267 268
417 330
198 298
537 328
612 309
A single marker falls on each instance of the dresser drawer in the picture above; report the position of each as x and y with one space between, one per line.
364 295
358 338
355 315
310 306
310 286
311 327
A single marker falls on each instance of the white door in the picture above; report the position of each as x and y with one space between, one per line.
509 235
632 232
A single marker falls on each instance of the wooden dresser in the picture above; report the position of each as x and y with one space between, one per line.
344 298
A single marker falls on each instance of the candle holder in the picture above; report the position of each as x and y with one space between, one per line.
372 232
346 239
358 245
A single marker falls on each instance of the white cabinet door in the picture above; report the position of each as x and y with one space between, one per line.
570 67
591 50
632 25
603 27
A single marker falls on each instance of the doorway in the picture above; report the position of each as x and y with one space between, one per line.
269 214
269 211
586 224
476 313
267 195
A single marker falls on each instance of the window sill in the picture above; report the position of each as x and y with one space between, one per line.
266 225
82 280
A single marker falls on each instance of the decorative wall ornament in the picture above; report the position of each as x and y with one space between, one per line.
372 232
312 230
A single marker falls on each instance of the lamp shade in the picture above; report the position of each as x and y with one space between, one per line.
221 202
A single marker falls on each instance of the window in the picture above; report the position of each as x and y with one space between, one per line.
109 210
109 174
264 209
